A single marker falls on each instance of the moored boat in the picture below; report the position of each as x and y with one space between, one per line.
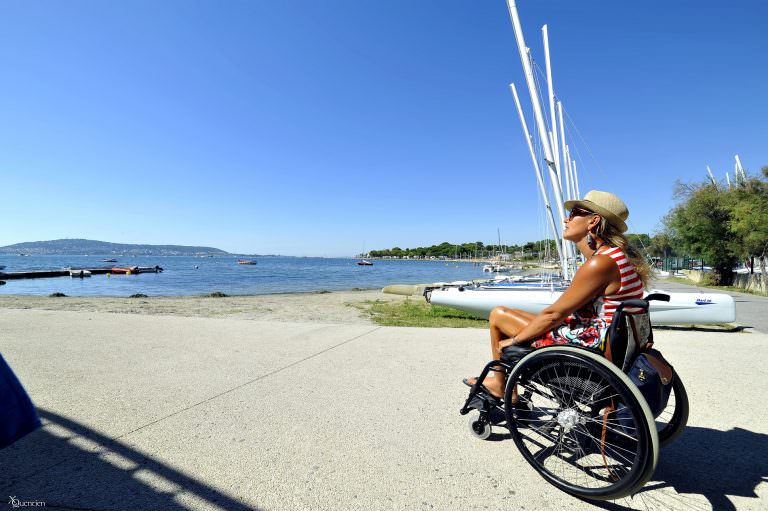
79 274
126 270
364 263
148 269
682 309
247 261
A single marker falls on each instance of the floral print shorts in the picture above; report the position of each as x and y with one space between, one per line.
588 332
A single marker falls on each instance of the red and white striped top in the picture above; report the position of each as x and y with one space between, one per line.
631 286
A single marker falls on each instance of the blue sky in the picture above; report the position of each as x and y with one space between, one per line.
325 127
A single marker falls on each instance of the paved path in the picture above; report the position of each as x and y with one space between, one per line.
166 413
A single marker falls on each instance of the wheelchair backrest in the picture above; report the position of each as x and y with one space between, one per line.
629 333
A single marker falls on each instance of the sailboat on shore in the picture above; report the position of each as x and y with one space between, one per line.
479 298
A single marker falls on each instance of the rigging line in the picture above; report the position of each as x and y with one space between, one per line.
589 149
547 120
568 123
584 169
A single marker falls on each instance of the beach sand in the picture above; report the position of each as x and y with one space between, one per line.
339 307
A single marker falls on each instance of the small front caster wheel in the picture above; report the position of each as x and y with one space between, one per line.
479 426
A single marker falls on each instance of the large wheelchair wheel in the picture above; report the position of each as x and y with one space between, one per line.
571 433
672 420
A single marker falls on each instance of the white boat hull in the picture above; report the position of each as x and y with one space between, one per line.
682 308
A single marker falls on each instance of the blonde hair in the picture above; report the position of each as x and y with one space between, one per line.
612 236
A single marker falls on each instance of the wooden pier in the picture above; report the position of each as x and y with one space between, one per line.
45 274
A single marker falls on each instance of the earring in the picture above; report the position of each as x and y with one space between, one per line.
591 241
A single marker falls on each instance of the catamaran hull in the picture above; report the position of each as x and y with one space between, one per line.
682 308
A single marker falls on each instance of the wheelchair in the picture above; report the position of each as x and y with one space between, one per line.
575 415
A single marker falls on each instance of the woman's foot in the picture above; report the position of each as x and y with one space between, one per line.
489 384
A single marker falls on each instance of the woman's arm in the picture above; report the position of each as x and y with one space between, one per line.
589 281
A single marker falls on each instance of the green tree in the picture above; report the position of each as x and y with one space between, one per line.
640 242
720 224
661 245
749 217
700 226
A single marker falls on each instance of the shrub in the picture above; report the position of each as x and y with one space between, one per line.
57 295
138 295
218 294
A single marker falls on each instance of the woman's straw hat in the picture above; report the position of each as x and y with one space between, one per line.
605 204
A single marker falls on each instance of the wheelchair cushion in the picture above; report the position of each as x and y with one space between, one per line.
512 354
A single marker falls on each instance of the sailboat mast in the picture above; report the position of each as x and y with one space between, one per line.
539 116
711 177
551 94
740 169
562 143
539 176
571 179
576 180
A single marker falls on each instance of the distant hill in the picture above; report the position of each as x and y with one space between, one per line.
92 247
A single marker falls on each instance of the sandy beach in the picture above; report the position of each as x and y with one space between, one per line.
338 307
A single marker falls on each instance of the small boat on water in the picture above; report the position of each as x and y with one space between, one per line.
364 263
109 260
79 274
247 261
149 269
127 270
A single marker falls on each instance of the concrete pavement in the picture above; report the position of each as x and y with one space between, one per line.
168 413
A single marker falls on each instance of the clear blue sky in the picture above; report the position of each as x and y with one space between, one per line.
323 127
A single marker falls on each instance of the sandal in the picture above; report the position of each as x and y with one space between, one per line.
469 383
466 381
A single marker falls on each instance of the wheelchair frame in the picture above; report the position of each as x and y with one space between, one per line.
586 406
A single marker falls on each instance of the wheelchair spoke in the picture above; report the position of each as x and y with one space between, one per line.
577 424
619 431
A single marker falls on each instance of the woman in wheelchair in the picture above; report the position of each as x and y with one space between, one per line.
613 272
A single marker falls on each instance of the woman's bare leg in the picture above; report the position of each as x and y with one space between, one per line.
505 323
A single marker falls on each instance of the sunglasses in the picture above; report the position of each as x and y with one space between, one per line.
579 212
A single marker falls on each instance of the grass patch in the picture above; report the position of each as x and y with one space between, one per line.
421 314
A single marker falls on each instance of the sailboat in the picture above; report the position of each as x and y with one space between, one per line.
479 299
363 261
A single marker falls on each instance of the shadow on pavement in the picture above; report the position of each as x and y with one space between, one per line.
701 469
67 465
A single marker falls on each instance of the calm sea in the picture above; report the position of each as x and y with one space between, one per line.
184 276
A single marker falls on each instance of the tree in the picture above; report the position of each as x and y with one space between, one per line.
749 217
639 242
661 245
720 224
700 226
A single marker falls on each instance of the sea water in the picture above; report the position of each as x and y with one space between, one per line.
187 276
